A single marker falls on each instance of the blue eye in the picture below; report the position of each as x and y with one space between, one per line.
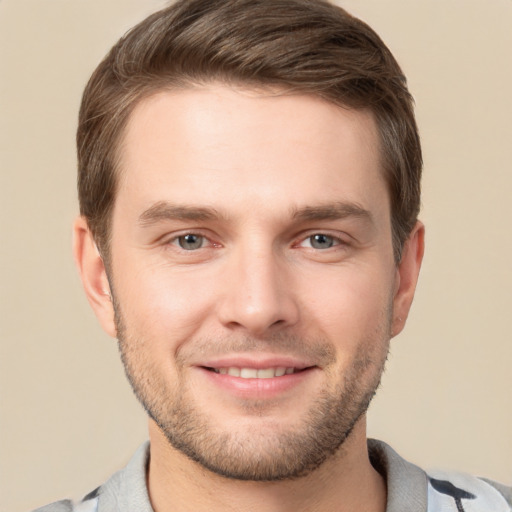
190 242
321 241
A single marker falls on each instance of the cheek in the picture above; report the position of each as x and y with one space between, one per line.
163 304
349 302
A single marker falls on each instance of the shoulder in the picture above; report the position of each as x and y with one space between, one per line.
467 492
124 491
412 489
90 505
58 506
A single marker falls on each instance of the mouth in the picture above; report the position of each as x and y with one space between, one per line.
260 380
256 373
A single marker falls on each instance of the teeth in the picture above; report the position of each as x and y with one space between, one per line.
248 373
253 373
234 372
266 374
281 371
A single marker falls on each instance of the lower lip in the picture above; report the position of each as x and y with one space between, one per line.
258 388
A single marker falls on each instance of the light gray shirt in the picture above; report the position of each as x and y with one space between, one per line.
409 488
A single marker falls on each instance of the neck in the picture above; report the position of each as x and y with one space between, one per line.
345 482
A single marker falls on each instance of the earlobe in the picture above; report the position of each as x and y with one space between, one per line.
407 276
93 275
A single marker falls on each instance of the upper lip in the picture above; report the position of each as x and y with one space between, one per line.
258 363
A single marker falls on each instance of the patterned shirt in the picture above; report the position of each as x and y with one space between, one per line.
409 488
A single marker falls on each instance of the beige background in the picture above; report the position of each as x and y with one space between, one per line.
68 418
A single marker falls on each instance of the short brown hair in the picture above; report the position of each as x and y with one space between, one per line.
306 46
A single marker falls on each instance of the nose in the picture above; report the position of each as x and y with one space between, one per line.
259 294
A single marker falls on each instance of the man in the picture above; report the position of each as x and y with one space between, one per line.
249 184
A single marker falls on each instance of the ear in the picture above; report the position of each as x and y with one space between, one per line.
407 276
93 274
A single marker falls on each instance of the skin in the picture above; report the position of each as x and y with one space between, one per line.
255 176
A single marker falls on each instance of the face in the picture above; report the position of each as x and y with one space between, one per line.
253 277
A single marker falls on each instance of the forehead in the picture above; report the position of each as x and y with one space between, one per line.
218 144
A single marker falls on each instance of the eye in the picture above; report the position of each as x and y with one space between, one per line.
190 241
321 241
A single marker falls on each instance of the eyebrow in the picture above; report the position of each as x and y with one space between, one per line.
333 211
164 210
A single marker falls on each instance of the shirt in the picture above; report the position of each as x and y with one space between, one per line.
409 488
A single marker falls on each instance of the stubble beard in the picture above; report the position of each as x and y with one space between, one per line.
271 453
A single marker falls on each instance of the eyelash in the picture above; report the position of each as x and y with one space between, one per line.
176 241
336 241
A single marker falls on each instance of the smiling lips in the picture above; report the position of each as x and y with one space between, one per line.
255 373
252 380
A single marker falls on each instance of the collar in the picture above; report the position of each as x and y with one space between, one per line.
406 483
